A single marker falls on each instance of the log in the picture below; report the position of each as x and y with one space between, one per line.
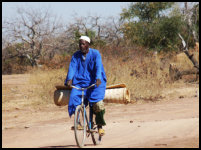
114 94
117 95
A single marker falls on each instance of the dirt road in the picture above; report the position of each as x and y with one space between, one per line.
163 124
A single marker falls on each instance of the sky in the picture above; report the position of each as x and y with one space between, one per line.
66 10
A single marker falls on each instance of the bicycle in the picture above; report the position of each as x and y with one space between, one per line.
82 126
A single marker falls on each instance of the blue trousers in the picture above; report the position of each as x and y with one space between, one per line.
92 95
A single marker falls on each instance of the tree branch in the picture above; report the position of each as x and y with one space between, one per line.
185 49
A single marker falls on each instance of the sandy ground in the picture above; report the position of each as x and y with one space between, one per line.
169 123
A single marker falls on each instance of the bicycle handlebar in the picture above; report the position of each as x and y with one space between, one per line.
83 88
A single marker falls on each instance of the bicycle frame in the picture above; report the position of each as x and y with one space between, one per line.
91 129
83 105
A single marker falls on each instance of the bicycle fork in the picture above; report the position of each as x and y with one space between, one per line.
84 110
86 121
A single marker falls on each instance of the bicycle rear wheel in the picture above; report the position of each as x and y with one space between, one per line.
80 126
96 138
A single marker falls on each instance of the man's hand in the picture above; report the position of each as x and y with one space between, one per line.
69 83
98 82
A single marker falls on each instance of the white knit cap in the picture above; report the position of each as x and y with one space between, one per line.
86 38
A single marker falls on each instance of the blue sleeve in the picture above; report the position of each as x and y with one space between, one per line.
71 69
98 66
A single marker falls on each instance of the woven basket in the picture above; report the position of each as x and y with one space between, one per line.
61 97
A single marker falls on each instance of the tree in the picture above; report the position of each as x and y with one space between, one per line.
191 16
148 24
145 11
32 29
101 32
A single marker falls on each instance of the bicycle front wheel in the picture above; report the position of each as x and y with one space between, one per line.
80 126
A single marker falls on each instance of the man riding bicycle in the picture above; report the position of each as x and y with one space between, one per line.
85 69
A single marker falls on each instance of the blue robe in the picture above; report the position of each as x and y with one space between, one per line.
83 72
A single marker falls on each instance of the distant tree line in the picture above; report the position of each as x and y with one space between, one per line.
35 34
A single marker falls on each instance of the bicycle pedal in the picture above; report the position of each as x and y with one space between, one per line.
88 134
93 130
78 127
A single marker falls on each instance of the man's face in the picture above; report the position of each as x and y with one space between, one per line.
84 46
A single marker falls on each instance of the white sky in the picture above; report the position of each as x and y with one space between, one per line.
65 10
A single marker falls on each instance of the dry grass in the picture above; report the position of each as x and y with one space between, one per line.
46 81
142 73
145 73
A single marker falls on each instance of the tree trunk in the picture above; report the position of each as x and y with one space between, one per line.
176 74
195 63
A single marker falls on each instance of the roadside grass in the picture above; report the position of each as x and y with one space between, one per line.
144 74
46 81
